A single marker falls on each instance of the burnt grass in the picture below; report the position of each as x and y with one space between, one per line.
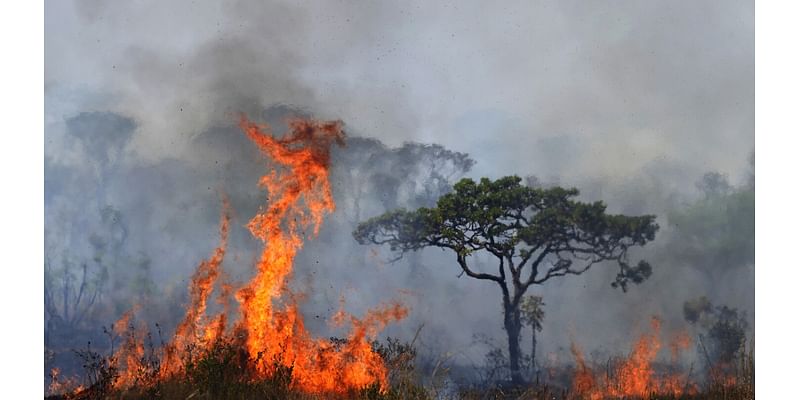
225 372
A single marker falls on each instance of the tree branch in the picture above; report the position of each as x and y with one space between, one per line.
462 261
562 268
80 295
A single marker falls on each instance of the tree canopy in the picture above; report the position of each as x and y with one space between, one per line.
545 229
718 230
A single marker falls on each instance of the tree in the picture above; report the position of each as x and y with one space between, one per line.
372 175
716 232
67 298
103 136
724 331
532 309
714 184
535 235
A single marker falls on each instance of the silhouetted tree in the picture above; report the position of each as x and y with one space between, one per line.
714 184
717 231
412 175
103 136
535 235
532 309
722 330
69 296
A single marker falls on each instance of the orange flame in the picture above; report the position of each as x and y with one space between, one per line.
270 327
195 329
633 376
130 351
301 196
583 382
679 343
59 384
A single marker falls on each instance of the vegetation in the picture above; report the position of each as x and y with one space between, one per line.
532 309
535 234
225 372
717 232
722 336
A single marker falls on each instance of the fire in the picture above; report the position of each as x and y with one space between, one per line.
195 327
59 384
633 376
583 381
269 327
679 343
301 196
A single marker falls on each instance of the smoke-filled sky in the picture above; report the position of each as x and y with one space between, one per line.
632 101
567 87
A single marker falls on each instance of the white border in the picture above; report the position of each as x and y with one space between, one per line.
22 229
777 279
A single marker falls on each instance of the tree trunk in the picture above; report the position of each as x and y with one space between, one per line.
533 352
513 327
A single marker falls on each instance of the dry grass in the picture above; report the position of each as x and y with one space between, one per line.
219 374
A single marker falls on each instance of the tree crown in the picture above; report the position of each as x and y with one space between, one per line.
521 226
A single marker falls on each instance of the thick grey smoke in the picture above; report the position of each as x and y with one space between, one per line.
631 102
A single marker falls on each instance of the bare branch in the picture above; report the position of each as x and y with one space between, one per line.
462 261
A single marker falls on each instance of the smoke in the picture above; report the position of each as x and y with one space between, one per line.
632 103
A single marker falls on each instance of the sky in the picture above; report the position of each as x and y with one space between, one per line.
552 88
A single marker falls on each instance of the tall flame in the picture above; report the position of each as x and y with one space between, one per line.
300 195
196 328
270 327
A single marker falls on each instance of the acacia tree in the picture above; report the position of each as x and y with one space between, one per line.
535 235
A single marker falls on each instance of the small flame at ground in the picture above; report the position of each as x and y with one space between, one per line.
633 376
